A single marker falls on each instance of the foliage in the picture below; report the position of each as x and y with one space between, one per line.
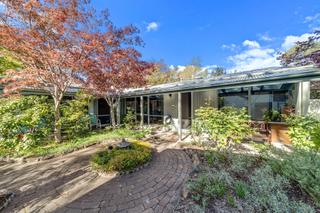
161 74
24 121
300 166
267 193
129 120
304 131
75 119
224 128
303 53
65 43
272 115
261 183
241 189
207 186
52 148
119 159
8 63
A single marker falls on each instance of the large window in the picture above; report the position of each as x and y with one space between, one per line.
235 97
276 98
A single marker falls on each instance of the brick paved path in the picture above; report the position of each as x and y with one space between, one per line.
156 188
67 185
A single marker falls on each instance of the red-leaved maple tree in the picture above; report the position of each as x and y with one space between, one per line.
118 66
54 40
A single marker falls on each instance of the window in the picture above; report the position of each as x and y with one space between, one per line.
278 98
235 97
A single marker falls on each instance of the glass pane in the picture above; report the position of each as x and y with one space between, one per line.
130 104
236 97
145 105
156 105
273 100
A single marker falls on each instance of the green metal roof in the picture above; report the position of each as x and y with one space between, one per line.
271 75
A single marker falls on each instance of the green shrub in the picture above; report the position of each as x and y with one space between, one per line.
304 132
223 128
130 119
75 118
24 121
122 159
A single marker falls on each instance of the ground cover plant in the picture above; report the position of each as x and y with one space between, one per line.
119 159
271 181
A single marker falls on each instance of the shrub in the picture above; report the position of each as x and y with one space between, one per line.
130 119
223 128
304 132
24 121
122 159
75 119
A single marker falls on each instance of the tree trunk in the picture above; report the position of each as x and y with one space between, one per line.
113 116
57 123
112 103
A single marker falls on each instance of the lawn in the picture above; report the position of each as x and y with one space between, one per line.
52 148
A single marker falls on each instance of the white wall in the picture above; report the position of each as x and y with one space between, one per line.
303 99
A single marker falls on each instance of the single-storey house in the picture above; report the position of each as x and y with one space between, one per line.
278 89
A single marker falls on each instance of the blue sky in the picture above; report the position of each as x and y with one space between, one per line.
238 35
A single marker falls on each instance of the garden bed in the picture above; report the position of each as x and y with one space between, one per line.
48 150
122 160
242 182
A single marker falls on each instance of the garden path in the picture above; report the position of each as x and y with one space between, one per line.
66 184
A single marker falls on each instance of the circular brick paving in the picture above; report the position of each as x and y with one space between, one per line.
155 188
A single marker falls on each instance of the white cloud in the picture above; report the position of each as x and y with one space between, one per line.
265 37
178 68
291 40
251 44
313 21
231 47
312 18
152 26
253 57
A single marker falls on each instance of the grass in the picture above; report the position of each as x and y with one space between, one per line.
52 148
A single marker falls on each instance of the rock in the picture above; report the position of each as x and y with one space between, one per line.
185 192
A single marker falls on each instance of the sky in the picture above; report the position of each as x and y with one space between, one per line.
237 35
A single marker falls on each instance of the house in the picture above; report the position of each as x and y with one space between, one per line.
259 91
